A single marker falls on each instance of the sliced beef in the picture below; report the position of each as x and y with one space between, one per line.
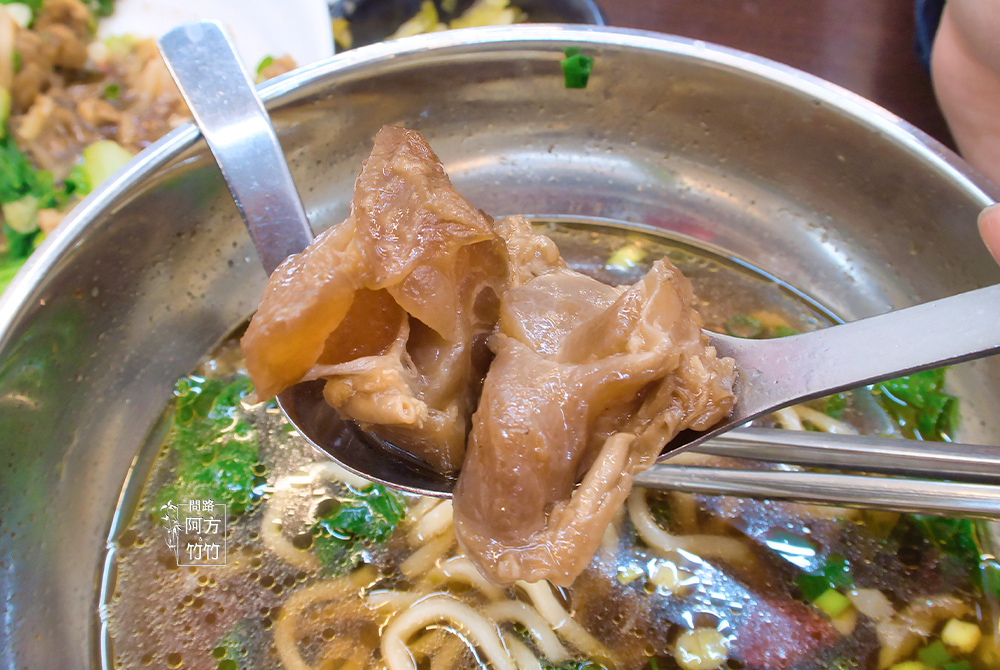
588 384
389 306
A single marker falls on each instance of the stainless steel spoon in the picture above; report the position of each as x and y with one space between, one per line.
772 373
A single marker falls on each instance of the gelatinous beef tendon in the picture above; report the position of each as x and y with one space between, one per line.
588 383
390 306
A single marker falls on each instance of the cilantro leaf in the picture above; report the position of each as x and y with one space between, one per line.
358 520
919 405
214 445
959 539
17 177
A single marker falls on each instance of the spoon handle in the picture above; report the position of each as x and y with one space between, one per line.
776 373
225 105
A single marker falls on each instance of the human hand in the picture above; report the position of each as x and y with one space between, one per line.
989 229
965 68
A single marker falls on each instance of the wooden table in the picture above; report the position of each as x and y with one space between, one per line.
863 45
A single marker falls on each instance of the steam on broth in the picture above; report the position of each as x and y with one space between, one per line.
328 572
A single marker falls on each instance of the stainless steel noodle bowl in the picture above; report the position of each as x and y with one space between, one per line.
743 159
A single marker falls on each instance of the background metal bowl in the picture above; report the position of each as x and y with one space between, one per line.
808 182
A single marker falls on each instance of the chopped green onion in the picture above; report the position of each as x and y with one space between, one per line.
22 215
102 7
961 635
934 655
744 325
112 92
838 571
576 68
626 257
812 586
784 331
265 62
21 13
102 159
4 111
833 602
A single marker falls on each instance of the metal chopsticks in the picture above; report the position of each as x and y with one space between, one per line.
889 456
918 482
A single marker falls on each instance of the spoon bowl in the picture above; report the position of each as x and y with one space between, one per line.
771 373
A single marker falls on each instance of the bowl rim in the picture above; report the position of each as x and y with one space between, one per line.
17 300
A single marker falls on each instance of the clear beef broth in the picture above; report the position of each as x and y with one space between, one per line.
679 581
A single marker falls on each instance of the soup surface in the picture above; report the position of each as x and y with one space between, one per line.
238 546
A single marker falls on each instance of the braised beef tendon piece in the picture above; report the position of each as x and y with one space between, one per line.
389 306
588 384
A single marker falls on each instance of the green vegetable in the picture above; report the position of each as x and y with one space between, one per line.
17 177
934 655
24 191
576 68
264 63
243 646
21 13
19 245
812 586
214 445
835 573
959 540
958 665
358 520
21 215
744 325
833 602
77 182
626 257
35 5
112 92
102 159
8 268
4 111
102 7
919 405
784 331
835 405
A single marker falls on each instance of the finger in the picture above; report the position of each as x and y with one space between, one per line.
989 229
